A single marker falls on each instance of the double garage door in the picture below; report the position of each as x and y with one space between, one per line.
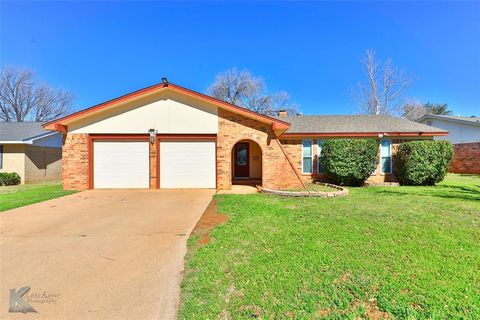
182 164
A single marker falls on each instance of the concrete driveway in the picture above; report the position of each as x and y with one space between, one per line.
100 254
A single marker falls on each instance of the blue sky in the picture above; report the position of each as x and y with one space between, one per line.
100 50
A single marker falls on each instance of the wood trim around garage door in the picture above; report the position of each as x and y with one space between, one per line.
108 137
183 137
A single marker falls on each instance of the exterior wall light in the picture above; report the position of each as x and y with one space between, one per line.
153 134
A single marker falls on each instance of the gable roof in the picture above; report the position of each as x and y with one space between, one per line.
22 132
350 125
356 125
61 124
465 120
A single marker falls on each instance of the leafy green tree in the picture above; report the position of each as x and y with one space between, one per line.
437 108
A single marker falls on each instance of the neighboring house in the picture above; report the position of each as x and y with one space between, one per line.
460 129
167 136
31 151
464 133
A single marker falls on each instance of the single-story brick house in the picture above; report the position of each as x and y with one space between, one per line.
31 151
167 136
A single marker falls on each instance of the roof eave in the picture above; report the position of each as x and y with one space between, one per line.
17 142
438 117
362 134
40 136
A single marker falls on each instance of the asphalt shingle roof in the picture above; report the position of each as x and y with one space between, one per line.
18 131
353 123
471 120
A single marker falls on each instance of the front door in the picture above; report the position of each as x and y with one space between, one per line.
241 162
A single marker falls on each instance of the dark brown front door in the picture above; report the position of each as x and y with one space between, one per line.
241 161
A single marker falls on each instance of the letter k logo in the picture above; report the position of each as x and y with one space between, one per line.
17 304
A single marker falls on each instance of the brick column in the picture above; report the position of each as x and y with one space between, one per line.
75 161
153 164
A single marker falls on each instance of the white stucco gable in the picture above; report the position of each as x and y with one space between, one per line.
166 113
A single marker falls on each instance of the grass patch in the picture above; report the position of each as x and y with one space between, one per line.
22 195
403 252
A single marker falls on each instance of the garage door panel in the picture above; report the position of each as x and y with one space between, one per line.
122 164
187 164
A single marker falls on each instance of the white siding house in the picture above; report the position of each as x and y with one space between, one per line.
461 129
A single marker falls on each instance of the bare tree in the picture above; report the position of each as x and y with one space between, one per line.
415 110
383 91
24 99
243 89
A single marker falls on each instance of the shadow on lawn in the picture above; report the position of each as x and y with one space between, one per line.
470 193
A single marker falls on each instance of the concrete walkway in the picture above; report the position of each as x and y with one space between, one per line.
103 254
239 189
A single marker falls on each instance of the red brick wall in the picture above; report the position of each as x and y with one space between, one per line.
277 171
466 159
75 161
294 150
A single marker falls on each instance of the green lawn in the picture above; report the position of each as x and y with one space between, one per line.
402 252
22 195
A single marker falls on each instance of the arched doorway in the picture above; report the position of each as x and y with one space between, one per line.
247 163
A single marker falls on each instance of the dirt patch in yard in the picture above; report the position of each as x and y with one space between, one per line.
372 312
209 220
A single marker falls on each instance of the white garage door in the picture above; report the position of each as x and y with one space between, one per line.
120 164
187 164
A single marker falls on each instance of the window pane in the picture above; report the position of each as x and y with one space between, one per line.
385 153
241 155
386 165
307 165
307 148
385 148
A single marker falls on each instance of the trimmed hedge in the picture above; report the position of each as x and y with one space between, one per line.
422 162
9 178
349 161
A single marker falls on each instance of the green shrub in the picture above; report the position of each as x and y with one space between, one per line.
9 178
349 161
422 162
